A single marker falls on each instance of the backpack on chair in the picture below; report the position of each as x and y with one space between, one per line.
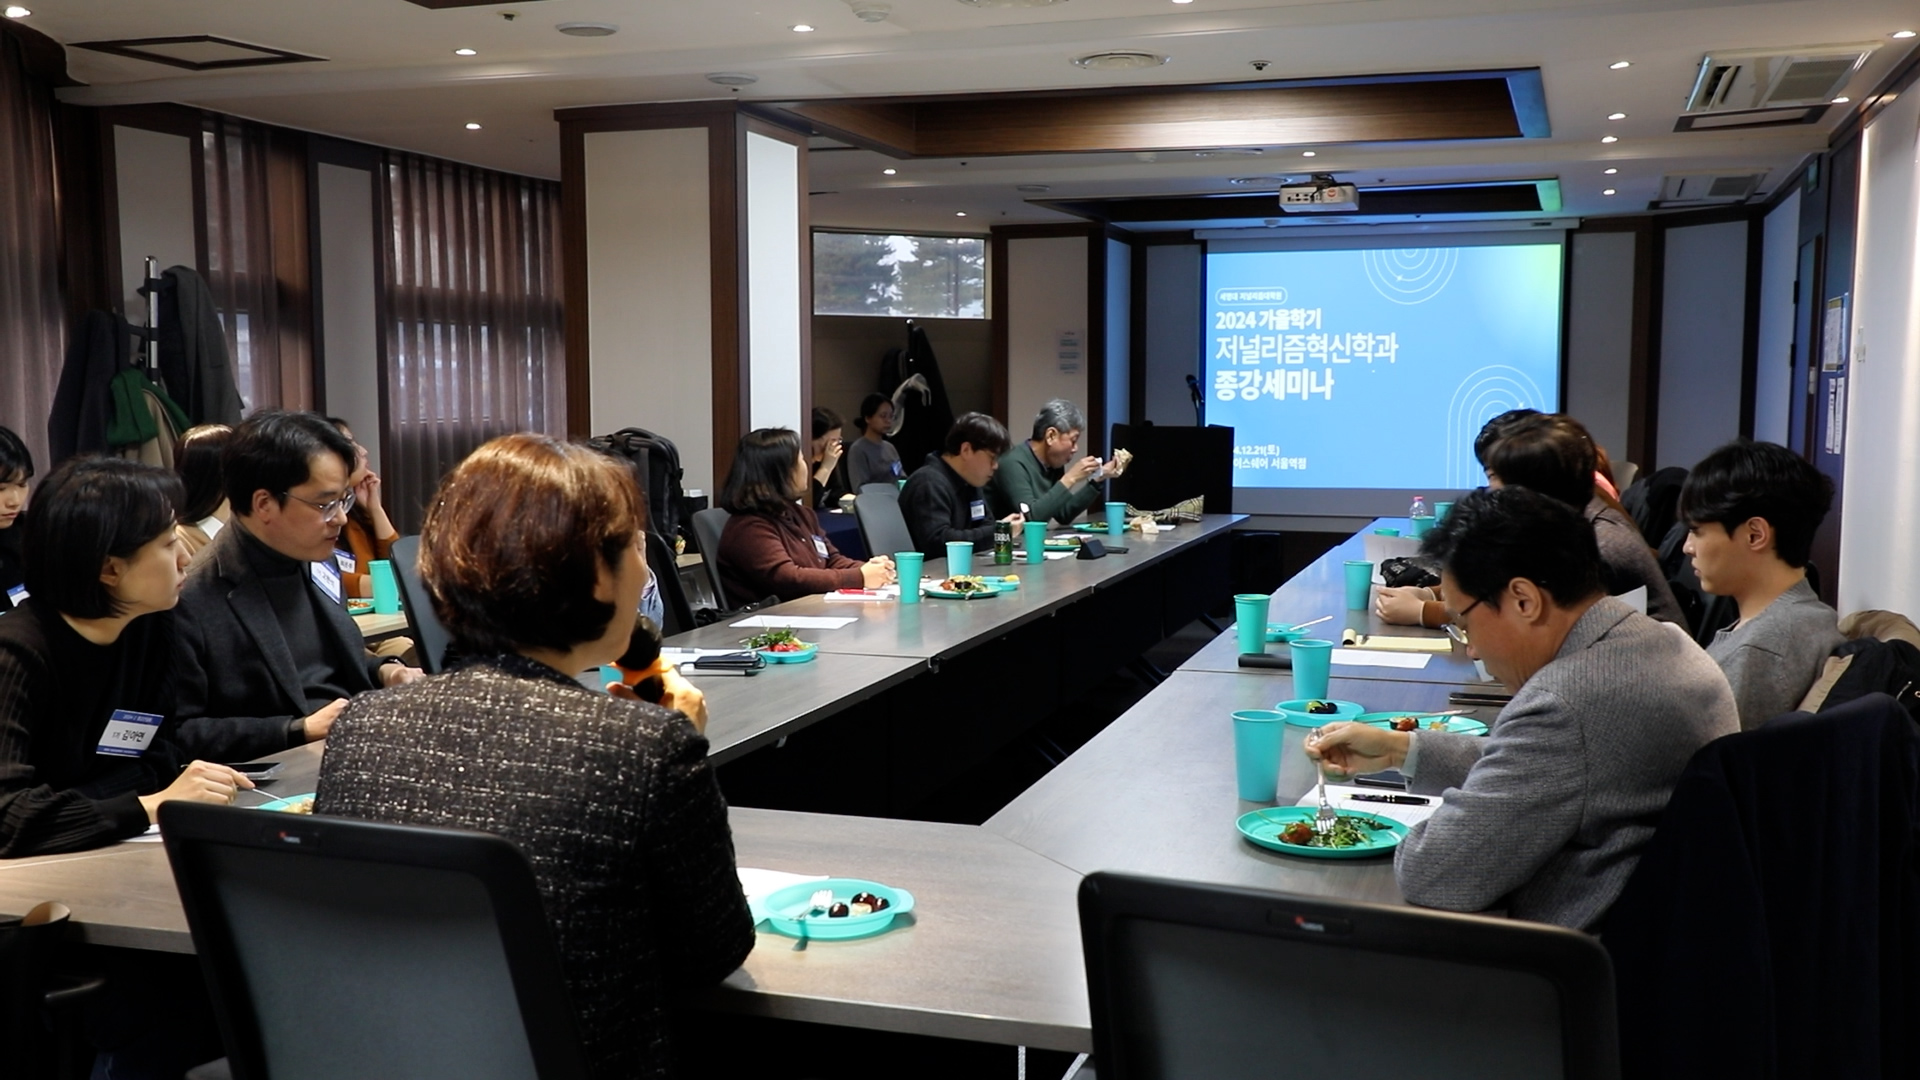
656 463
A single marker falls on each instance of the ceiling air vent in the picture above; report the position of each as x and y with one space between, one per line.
1709 187
1775 78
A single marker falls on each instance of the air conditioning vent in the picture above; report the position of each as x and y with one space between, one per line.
1709 187
1774 78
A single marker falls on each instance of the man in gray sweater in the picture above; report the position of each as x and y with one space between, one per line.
1545 816
1751 511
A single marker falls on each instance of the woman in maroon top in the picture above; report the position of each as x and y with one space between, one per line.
773 544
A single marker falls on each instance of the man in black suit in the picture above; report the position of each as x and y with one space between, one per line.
267 654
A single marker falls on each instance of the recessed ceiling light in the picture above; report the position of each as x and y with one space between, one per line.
586 29
1620 65
1033 189
1610 172
1183 1
1841 100
732 78
1617 116
959 213
1257 181
1609 191
15 11
466 52
888 172
1896 33
471 126
1011 3
1119 60
802 28
1610 139
1309 153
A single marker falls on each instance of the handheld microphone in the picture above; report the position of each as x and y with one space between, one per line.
1193 387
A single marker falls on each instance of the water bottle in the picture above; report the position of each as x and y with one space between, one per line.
1421 516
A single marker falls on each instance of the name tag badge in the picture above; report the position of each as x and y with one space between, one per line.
820 547
128 733
897 473
979 510
329 582
343 560
18 595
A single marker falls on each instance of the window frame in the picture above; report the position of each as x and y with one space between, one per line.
986 271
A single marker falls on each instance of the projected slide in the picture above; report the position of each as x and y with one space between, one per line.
1374 369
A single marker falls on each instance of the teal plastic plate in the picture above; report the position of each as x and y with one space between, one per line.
947 594
1263 827
1459 725
1349 710
286 804
1098 528
1279 632
782 908
1063 543
1004 582
812 650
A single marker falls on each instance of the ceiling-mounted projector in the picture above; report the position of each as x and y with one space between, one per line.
1322 195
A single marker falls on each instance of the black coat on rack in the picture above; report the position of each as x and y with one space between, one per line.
83 402
924 427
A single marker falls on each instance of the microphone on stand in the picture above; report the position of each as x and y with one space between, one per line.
1193 387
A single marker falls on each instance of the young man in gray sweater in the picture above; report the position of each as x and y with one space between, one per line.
1751 510
1546 816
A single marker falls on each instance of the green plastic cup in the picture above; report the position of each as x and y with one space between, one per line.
1359 584
1250 621
959 558
909 564
1440 511
1036 538
1116 518
1257 736
386 590
1312 667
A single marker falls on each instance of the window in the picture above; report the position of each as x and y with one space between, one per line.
930 277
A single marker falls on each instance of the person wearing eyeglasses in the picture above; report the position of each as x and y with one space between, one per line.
1546 816
267 655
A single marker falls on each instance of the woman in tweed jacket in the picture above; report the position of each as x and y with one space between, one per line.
531 554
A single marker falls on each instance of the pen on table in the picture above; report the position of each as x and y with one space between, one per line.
1314 622
1397 800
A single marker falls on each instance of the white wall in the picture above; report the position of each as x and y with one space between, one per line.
1881 514
1172 332
649 298
154 181
1702 326
350 332
1119 358
1046 298
1773 370
774 262
1600 335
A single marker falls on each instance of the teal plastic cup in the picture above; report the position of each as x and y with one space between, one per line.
1386 532
386 591
1257 737
1250 621
1440 511
1116 518
1422 525
1359 584
959 558
1036 539
909 564
1312 667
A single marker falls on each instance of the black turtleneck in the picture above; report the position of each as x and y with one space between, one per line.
296 607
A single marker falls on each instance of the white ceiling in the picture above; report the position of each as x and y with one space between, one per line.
391 78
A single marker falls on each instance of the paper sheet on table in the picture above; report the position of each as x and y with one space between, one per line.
1378 658
1390 643
1341 796
863 596
756 883
795 622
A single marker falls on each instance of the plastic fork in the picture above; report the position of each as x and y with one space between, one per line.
1323 818
817 904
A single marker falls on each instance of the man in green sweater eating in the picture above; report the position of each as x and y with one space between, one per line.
1046 477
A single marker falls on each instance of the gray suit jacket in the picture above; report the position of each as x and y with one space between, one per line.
1548 813
239 689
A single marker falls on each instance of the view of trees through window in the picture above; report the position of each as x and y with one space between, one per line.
934 277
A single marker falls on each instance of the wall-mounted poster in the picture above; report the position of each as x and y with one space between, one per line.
1833 335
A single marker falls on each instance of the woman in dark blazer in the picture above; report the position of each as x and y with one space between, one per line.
773 544
531 554
86 691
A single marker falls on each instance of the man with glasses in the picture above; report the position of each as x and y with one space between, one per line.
267 654
1047 474
942 501
1546 815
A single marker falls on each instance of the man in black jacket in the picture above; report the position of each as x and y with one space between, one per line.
942 501
267 655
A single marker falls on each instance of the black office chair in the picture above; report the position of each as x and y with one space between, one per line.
673 596
1195 982
882 525
885 487
31 988
337 948
708 524
429 637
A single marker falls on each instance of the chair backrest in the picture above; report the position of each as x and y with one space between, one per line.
708 524
673 598
1200 981
888 488
425 951
430 638
27 948
882 525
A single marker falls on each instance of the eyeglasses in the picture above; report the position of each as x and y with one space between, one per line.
1453 627
340 506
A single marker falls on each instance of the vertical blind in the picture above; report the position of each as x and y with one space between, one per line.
32 331
250 239
472 318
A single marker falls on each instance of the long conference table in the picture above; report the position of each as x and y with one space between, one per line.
992 950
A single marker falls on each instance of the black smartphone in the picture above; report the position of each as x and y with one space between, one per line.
1461 697
746 662
1388 778
254 770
